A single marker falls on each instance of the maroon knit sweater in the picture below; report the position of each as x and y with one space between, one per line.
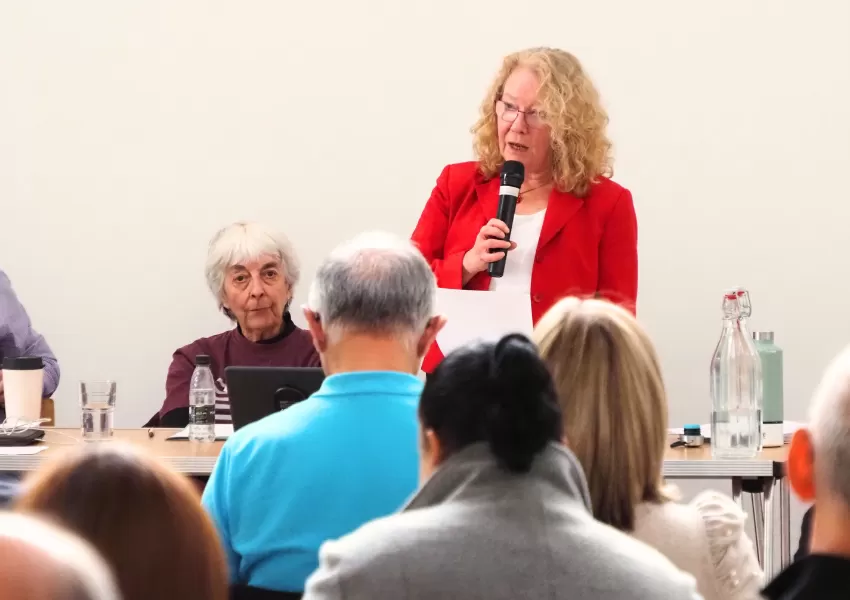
292 347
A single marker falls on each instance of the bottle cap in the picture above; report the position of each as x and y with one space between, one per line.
744 299
202 360
763 336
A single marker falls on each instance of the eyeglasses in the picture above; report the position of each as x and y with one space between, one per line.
509 113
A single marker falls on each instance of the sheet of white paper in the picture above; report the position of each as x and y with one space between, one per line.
789 428
222 432
481 316
21 450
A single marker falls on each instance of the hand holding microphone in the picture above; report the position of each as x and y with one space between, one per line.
493 242
490 246
511 178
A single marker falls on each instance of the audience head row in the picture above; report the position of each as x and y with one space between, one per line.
144 518
590 378
500 395
606 373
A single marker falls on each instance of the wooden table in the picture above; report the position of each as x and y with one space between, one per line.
191 458
757 477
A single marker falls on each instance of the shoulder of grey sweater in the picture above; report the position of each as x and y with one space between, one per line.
362 562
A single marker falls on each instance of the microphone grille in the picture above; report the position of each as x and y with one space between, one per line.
513 173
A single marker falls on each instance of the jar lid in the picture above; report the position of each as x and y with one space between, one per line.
763 336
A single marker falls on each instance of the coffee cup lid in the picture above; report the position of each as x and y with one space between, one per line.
23 363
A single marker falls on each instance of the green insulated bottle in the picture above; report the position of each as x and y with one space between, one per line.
772 398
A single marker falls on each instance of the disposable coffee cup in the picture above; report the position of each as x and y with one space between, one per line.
23 382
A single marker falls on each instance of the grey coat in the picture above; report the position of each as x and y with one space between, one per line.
476 532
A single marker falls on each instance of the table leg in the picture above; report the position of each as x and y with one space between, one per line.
757 502
784 522
767 562
736 491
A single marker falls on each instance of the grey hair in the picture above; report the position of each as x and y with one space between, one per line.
81 573
242 242
377 283
830 426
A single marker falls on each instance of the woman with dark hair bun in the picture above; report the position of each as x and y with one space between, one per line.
499 394
503 511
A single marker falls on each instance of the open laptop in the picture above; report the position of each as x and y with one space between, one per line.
257 392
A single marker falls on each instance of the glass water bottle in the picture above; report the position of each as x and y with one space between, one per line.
735 386
746 312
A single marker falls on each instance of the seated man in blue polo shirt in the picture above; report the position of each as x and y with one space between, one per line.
348 454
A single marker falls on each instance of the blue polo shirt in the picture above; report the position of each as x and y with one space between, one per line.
316 471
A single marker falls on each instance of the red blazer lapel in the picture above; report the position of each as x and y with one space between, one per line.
561 208
487 192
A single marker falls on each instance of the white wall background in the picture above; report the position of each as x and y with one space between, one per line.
130 131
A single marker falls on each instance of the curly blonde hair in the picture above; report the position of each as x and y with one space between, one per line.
570 104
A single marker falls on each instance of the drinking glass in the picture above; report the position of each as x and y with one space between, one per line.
97 399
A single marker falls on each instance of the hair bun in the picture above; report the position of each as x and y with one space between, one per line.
524 414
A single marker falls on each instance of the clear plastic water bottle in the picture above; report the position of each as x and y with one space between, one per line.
746 312
735 387
202 401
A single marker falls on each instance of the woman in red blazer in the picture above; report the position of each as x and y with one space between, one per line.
575 231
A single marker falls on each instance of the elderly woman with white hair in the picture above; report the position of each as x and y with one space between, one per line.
252 271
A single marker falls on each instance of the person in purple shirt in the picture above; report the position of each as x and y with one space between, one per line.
252 272
18 338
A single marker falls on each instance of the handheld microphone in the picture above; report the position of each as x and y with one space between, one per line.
511 178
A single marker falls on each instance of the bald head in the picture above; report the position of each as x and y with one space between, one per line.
42 562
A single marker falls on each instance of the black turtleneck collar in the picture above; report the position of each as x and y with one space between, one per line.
285 329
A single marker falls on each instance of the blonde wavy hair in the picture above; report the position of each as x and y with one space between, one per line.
608 379
570 104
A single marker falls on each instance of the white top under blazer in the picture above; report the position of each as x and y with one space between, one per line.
526 233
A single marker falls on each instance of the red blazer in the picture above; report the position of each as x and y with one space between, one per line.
587 247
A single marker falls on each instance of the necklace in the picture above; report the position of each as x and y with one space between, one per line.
521 194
